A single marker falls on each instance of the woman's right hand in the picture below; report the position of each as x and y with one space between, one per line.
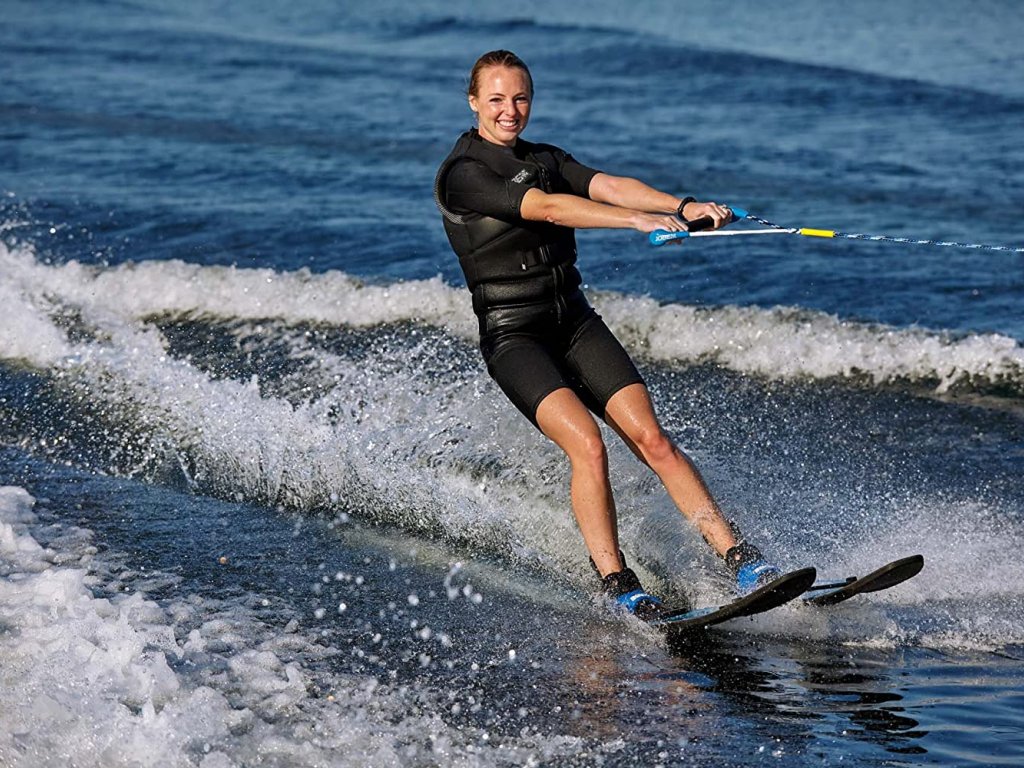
718 213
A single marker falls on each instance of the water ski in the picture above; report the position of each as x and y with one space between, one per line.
889 575
783 589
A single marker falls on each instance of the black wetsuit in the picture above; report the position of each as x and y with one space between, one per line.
537 331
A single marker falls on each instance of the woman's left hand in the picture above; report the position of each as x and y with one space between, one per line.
718 213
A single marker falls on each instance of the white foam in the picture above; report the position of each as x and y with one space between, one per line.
88 681
239 444
782 343
129 292
27 331
787 343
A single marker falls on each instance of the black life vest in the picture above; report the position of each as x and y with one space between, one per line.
506 263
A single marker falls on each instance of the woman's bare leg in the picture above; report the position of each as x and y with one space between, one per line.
631 414
567 421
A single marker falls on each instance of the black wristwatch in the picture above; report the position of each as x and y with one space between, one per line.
679 210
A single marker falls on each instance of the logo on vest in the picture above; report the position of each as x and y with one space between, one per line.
522 177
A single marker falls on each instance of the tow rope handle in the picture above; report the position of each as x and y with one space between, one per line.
662 236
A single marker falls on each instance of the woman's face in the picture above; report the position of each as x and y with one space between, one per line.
502 104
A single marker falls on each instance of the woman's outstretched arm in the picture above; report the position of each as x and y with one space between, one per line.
617 202
581 213
627 192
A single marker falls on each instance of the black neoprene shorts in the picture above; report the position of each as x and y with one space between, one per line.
531 362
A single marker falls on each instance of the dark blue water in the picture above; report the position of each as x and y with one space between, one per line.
282 517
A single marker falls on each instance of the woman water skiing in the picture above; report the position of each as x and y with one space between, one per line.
510 208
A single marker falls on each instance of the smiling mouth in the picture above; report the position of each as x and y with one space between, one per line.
508 125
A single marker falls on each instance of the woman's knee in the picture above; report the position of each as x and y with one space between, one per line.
655 445
566 421
589 451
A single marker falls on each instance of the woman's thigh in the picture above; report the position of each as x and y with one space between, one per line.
527 372
600 364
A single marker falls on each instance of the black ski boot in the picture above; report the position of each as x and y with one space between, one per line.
749 568
626 590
